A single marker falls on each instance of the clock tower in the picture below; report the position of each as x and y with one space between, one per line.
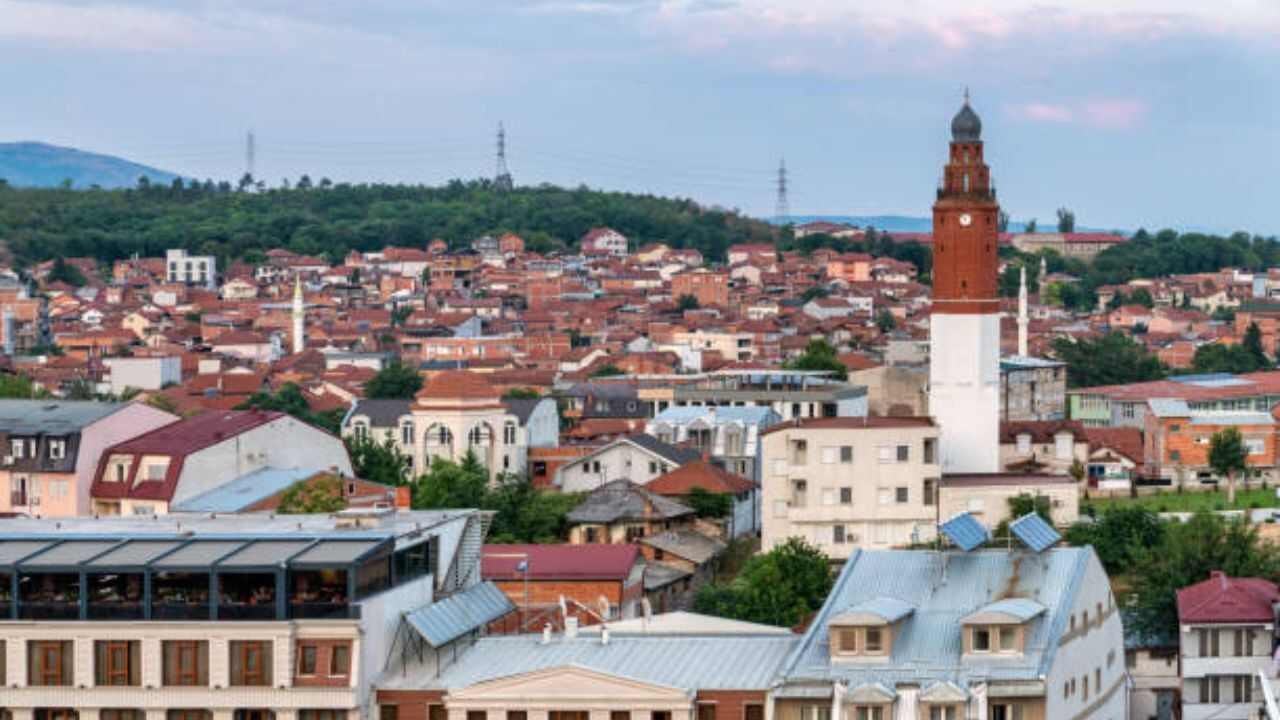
964 334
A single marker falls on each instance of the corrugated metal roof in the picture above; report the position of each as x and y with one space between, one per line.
54 417
264 553
335 552
74 552
243 491
1034 532
888 609
453 617
1022 609
747 415
136 553
744 662
965 531
945 587
1169 407
1241 418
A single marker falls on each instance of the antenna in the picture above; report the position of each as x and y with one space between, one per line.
502 175
782 210
250 152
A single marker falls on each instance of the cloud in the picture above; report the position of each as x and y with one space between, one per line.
1111 114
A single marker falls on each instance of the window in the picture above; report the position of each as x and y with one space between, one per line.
981 640
49 662
16 448
837 534
1084 687
186 662
846 496
620 715
904 453
1024 444
930 450
437 712
117 662
307 656
188 714
753 712
846 454
509 434
799 452
406 434
901 495
1006 711
477 715
1097 678
121 714
340 660
944 712
1008 638
517 715
868 712
706 711
360 430
1062 444
829 455
816 712
847 641
929 491
322 715
57 449
656 715
251 662
1256 446
873 641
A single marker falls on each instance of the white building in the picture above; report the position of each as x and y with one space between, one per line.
730 435
636 458
201 270
143 373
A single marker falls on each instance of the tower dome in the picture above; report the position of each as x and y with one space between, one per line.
966 126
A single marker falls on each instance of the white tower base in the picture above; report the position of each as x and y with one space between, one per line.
964 390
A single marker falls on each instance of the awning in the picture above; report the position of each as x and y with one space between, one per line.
442 622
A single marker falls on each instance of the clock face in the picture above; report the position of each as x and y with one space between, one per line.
965 219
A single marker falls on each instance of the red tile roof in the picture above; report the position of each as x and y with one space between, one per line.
1224 599
559 562
699 473
458 385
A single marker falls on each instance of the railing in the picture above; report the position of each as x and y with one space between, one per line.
55 610
169 610
323 611
115 610
235 611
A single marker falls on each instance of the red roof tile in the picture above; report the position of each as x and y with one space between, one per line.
559 562
699 473
1224 599
458 384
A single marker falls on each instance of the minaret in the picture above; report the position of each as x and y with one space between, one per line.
1022 312
299 317
964 334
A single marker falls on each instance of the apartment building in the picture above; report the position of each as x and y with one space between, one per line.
1226 631
1176 442
791 394
51 450
849 483
184 269
729 435
196 617
1126 405
710 289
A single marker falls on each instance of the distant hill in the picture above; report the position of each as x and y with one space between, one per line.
908 224
34 164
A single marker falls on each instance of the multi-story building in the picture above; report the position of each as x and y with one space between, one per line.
1052 447
457 412
157 472
1126 405
201 270
196 617
728 435
792 394
992 634
1032 388
710 289
51 450
1226 633
847 483
1176 442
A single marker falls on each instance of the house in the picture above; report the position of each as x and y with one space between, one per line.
1177 439
239 289
143 373
1044 446
156 472
181 268
1009 634
226 616
604 241
636 458
1153 663
729 435
623 512
848 483
52 448
599 583
1225 637
710 289
1032 388
248 345
744 511
456 412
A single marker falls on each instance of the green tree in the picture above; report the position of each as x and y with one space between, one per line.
885 321
1228 456
163 402
1253 345
607 370
780 587
1030 226
819 355
686 302
521 393
290 400
1142 296
451 485
378 462
1219 358
1186 554
1117 535
396 380
63 271
16 386
1066 220
525 514
1112 359
319 495
707 504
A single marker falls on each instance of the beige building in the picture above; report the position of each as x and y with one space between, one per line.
849 483
986 496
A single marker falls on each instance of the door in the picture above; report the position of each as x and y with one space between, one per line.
1164 705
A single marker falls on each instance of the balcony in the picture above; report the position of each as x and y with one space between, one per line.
247 596
115 596
49 596
180 596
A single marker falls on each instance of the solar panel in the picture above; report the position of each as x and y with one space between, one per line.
965 531
1032 531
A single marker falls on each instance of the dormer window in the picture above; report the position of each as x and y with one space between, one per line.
1000 627
867 629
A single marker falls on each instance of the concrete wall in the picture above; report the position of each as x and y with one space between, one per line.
1090 653
146 373
964 387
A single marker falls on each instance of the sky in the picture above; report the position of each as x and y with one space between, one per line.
1133 113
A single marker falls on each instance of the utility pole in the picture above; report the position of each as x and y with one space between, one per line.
782 210
502 175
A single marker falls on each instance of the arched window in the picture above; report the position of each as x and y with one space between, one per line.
360 430
479 435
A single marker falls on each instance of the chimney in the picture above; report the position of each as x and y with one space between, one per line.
404 498
546 634
571 627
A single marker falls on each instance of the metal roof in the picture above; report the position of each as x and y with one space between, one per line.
52 417
12 551
887 609
1034 532
965 531
746 414
201 553
1169 407
265 553
946 587
1020 609
1236 418
335 552
72 552
241 492
455 616
134 554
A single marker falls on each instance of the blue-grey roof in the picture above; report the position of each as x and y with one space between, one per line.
689 662
965 531
1169 407
455 616
243 491
52 417
889 610
747 415
945 587
1034 532
1239 418
1020 609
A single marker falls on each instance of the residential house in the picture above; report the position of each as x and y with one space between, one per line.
729 435
635 458
743 517
1177 439
623 512
598 583
987 496
52 448
1051 447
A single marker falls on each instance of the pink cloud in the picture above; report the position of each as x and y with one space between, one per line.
1112 114
1115 113
1043 112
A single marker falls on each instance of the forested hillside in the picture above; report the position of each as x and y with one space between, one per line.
324 219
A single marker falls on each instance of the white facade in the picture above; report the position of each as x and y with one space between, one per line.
201 270
620 460
143 373
964 390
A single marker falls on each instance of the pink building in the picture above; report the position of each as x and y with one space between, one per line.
51 450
